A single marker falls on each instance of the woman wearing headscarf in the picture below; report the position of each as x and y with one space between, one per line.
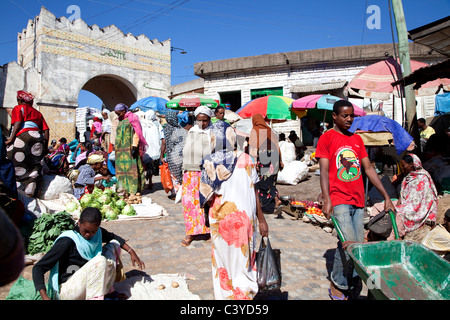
27 145
198 144
263 147
58 162
227 187
153 134
130 146
96 129
81 267
106 130
418 202
175 138
87 175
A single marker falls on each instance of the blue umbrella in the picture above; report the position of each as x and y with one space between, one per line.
151 103
376 123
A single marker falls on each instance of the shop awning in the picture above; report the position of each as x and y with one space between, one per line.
317 87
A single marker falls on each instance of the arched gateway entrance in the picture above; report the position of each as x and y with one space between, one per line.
112 89
56 59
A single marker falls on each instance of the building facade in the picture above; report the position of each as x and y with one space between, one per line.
300 73
56 59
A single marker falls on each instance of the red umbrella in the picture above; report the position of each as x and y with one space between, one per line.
375 80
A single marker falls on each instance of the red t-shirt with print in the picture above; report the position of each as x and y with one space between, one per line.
344 154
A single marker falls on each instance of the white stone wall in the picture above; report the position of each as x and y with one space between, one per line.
67 55
257 80
245 82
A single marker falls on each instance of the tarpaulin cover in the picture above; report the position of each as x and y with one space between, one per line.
375 123
442 104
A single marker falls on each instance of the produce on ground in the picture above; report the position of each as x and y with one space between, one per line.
46 229
110 204
314 210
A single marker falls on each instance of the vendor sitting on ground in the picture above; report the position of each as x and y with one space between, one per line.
438 239
80 268
417 204
87 175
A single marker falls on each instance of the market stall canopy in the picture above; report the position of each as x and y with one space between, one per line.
271 107
435 35
320 106
375 123
442 103
191 100
156 104
429 79
376 81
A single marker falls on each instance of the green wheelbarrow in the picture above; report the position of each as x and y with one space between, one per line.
400 270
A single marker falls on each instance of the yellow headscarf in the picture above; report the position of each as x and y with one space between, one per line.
95 158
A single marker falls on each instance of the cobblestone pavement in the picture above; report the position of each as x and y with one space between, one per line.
307 251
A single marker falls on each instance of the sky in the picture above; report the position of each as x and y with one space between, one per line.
221 29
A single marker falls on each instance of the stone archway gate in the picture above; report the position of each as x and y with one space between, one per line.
57 58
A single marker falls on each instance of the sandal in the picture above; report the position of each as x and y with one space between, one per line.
333 297
186 243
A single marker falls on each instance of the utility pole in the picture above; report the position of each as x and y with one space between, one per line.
405 62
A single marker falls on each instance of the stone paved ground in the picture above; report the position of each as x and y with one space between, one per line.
306 250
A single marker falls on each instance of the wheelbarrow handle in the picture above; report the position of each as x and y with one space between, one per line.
394 223
338 229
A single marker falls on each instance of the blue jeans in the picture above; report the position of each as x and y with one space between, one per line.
351 221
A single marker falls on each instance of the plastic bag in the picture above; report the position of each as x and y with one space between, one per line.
53 185
23 289
268 267
380 225
166 180
293 172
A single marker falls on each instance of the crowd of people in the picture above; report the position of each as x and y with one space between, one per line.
222 186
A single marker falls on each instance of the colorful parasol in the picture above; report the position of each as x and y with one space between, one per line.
320 106
375 81
191 100
151 103
271 107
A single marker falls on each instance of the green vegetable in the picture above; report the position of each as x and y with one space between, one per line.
86 200
129 210
104 199
95 204
71 206
97 192
110 193
111 215
46 229
120 204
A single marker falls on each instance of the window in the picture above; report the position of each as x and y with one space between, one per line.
258 93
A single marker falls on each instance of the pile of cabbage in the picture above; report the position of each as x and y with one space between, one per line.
108 202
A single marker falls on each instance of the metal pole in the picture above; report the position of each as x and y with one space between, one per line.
403 48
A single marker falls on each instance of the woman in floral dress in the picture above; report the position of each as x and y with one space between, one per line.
228 187
197 146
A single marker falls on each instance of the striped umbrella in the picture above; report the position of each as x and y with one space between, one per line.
271 107
191 100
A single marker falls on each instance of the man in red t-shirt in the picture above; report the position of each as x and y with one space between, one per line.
342 157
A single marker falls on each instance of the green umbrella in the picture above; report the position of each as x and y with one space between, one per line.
191 100
271 107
